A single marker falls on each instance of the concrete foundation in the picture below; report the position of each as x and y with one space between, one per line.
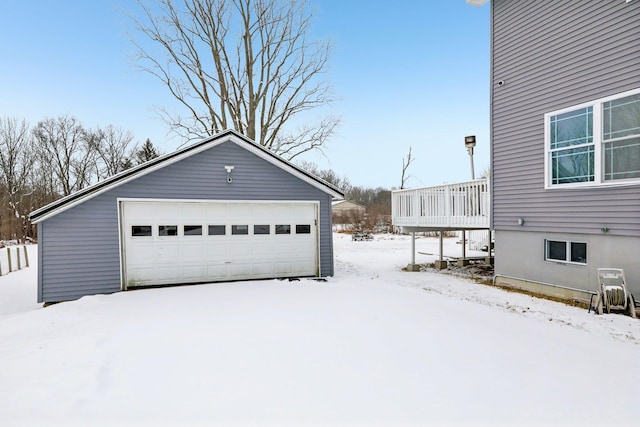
414 267
550 290
462 262
440 265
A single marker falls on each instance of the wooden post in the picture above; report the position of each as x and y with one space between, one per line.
18 258
9 258
26 256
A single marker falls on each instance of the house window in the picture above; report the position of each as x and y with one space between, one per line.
595 143
621 138
571 144
563 251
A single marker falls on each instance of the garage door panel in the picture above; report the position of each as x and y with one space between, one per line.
240 270
264 269
220 270
239 250
207 250
282 267
192 251
216 250
194 272
300 267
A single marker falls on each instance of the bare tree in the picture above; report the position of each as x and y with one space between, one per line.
113 150
405 166
16 162
327 175
241 64
64 148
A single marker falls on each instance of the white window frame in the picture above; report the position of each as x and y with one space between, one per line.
567 260
598 144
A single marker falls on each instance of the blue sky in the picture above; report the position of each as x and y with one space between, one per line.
406 73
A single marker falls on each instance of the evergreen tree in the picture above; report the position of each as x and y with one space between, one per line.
147 152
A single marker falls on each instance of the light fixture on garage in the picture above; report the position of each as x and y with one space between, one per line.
229 169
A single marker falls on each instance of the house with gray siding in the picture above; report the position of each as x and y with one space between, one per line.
565 133
222 209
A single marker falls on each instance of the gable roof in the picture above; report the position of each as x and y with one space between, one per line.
228 135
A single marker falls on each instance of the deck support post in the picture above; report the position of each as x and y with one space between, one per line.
489 259
413 266
463 261
441 263
413 247
464 244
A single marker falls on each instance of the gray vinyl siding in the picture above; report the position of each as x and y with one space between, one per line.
553 54
79 248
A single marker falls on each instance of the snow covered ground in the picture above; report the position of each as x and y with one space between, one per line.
371 346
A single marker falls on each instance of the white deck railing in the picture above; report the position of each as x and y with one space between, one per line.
463 205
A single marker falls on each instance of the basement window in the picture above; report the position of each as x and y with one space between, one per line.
565 251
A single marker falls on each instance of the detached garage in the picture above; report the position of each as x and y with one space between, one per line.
222 209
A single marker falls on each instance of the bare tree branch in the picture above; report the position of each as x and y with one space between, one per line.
245 64
62 143
113 148
405 166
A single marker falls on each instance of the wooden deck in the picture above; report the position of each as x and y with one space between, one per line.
459 206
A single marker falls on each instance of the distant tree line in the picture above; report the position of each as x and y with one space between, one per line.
376 200
56 157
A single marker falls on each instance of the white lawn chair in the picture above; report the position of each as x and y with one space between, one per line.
612 292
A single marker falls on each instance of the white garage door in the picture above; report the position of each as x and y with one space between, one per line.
169 242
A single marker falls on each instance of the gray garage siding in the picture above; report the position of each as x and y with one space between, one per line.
82 243
553 54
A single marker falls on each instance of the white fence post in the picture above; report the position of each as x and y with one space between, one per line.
9 258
